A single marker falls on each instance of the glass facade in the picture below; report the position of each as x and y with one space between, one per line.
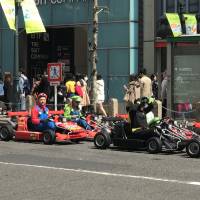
186 80
181 60
191 6
117 43
170 6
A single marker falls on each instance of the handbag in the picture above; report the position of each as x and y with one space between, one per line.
127 97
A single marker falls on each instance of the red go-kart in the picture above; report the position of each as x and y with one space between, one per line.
67 131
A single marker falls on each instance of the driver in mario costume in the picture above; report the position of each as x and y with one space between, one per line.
40 114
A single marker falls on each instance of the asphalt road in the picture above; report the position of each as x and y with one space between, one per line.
33 171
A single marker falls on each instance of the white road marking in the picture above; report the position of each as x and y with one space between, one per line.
106 174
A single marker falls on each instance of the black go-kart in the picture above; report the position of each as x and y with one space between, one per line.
121 135
160 135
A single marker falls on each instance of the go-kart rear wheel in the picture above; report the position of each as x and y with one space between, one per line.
6 132
154 145
193 149
49 137
102 140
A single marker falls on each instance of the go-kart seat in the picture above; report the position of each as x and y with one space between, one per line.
30 125
132 115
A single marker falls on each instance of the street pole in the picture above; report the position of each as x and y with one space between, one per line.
182 18
16 65
94 54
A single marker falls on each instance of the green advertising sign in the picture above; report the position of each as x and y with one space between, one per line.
190 24
175 23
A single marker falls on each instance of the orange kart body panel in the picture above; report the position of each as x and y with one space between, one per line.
196 124
28 135
91 134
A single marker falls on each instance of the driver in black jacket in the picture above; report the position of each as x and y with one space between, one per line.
137 115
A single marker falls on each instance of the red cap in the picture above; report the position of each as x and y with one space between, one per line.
42 95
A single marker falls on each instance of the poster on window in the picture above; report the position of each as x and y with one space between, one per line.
190 24
175 24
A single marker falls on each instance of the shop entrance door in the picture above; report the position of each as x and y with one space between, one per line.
66 45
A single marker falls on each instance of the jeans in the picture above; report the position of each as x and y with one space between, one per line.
42 126
83 123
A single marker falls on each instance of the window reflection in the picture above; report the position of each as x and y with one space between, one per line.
170 5
194 6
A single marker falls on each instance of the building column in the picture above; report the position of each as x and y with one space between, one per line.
149 36
170 79
133 34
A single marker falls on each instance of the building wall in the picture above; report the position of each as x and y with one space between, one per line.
80 56
149 36
117 46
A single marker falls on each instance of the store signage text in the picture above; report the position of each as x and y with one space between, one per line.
44 2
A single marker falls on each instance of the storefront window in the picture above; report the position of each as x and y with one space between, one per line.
194 6
170 6
186 85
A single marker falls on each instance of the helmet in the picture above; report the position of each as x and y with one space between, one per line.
144 100
42 95
76 98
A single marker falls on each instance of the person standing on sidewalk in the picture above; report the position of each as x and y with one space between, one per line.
164 94
1 90
154 85
8 90
132 90
146 84
100 94
23 89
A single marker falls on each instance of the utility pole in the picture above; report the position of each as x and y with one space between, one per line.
94 53
16 50
182 18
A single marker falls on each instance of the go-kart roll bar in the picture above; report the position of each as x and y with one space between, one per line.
100 125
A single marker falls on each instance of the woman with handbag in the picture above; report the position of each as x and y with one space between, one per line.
132 90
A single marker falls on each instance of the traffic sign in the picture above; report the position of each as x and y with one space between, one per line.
54 71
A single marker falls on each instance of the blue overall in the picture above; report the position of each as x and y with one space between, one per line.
81 122
43 114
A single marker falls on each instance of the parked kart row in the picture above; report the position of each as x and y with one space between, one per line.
161 135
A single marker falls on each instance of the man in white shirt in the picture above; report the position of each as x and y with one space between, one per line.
146 84
22 95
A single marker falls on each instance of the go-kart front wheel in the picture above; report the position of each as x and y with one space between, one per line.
193 149
49 137
6 133
102 140
154 145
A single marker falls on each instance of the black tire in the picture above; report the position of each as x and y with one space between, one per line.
193 149
154 145
102 140
6 133
49 137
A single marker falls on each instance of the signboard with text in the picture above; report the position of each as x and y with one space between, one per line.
54 71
